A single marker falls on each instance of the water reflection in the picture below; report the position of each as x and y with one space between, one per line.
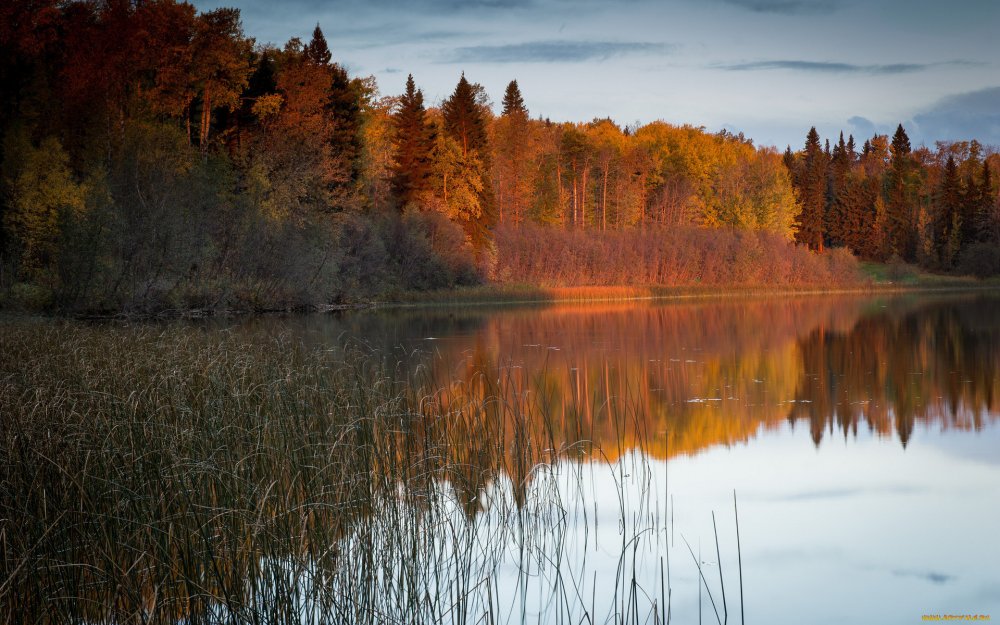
206 474
703 374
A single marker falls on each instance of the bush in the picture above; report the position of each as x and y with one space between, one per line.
686 256
980 259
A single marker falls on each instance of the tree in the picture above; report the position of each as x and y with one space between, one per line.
811 187
41 188
947 215
221 58
513 103
317 50
465 121
514 157
900 200
413 144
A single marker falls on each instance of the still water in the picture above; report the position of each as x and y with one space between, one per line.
859 435
807 459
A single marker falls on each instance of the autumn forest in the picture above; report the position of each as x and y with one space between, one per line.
157 158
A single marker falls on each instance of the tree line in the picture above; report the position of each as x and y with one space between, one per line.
155 156
937 208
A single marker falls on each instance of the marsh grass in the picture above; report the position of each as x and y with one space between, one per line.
164 474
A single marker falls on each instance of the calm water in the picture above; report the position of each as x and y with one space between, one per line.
859 434
542 464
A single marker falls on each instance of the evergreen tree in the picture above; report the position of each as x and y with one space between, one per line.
811 187
513 103
947 218
900 203
789 158
344 112
837 219
900 142
414 142
317 50
513 157
986 226
465 123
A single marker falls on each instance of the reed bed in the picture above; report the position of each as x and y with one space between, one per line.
177 474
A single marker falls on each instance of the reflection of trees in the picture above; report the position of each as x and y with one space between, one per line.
937 363
163 471
680 378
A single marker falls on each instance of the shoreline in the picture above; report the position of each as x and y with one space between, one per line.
523 295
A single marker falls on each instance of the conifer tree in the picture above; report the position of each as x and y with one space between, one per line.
414 142
465 122
811 187
513 103
986 213
947 218
317 50
512 161
900 204
836 218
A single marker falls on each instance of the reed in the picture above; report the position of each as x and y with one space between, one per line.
174 473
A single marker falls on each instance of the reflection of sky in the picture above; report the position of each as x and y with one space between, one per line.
770 68
862 531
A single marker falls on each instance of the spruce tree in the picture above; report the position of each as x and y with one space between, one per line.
836 219
900 203
464 119
465 123
513 103
811 187
343 109
986 228
948 213
411 170
317 50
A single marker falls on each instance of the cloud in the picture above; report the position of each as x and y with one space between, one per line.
863 127
552 52
934 577
787 7
971 115
827 67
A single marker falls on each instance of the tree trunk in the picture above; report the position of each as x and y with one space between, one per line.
206 119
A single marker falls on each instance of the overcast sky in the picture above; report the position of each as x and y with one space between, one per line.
768 68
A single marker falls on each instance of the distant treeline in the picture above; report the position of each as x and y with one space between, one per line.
938 208
156 157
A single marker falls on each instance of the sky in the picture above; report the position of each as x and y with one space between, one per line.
767 68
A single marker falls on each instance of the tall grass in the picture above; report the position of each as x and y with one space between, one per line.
175 474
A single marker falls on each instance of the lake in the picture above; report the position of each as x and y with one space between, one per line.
811 458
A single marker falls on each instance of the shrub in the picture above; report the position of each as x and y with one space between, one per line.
980 259
685 256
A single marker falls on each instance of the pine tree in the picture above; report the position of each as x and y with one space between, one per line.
465 122
414 143
513 103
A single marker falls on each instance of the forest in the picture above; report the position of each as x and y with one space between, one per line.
157 158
